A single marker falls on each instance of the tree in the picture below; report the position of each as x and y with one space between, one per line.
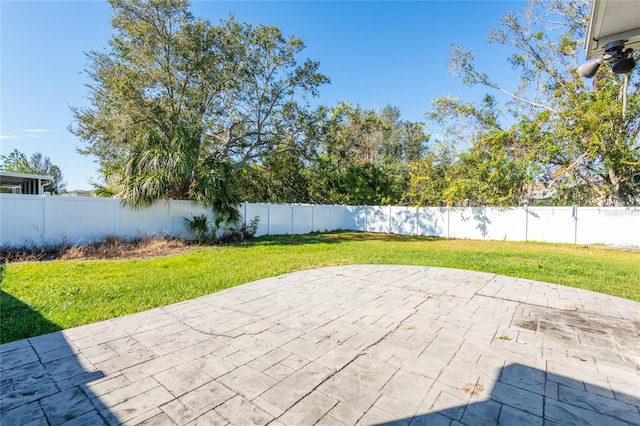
279 178
582 139
352 135
345 164
179 106
353 184
428 177
402 141
17 162
361 156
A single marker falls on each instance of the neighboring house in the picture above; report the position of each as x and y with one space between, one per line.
537 194
23 183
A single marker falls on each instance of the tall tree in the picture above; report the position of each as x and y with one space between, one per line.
179 106
362 155
402 141
279 178
583 137
353 135
474 162
429 176
37 164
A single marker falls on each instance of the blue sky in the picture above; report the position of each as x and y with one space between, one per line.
375 53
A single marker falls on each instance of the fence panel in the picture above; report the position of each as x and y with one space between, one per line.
622 226
551 224
433 221
281 219
403 220
468 222
179 210
509 224
302 219
79 220
378 218
355 218
261 210
21 220
153 220
38 220
322 218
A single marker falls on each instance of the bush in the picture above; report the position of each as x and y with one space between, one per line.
198 226
249 231
242 234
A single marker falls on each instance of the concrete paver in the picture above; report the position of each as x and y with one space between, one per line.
362 344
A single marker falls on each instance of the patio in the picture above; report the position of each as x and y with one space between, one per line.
365 344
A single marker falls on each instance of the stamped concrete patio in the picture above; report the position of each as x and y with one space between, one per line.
342 345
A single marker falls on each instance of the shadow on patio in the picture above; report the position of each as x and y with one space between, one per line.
42 379
528 396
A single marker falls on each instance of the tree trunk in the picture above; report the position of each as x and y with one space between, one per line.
616 195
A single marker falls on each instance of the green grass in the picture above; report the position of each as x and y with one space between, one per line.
38 298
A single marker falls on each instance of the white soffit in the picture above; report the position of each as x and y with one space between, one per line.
613 20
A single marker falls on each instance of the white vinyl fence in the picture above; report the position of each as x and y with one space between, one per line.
38 220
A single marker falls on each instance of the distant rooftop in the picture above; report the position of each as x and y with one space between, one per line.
23 183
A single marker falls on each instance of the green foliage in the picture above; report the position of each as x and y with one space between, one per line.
490 173
198 226
242 234
357 184
428 179
184 109
249 230
581 141
352 156
491 170
17 162
279 178
363 156
179 106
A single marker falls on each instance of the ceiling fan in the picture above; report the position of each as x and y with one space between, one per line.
621 60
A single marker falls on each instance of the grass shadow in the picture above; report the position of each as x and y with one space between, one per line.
335 237
18 319
43 379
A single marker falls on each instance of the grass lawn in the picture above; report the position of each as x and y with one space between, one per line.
42 297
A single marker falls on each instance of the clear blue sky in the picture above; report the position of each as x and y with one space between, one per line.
375 53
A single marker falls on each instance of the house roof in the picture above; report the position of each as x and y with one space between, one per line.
11 178
612 20
12 175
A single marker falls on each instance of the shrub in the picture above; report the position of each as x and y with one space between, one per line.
198 226
239 235
249 231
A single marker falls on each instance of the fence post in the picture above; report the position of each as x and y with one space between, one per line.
574 214
268 218
448 221
389 225
244 215
331 219
169 218
291 231
526 222
116 216
485 220
46 200
366 219
312 228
